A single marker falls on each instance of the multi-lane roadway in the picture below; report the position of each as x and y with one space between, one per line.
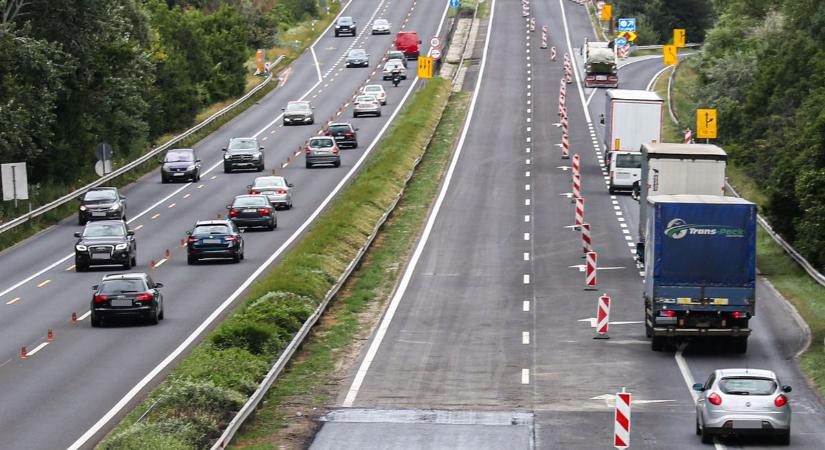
70 390
487 342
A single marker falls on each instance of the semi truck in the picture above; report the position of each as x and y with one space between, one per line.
601 65
677 169
631 118
700 279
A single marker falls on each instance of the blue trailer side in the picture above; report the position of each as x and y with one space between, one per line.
701 273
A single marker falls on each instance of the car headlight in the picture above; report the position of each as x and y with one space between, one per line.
114 207
82 208
225 156
191 167
80 248
256 156
121 246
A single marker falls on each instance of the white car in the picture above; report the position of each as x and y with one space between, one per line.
366 104
380 26
393 65
377 91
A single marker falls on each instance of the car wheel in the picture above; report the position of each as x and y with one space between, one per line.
191 260
96 323
260 168
355 115
162 310
740 345
336 34
355 145
657 344
784 438
164 180
127 265
309 165
289 206
81 221
379 114
242 255
198 178
707 438
78 267
154 318
236 259
337 163
134 260
272 225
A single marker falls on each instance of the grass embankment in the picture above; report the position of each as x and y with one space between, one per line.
300 36
191 407
781 270
288 419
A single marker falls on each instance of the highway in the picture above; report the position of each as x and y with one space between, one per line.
487 342
70 391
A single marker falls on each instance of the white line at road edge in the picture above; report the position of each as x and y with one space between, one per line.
317 65
575 68
358 380
655 77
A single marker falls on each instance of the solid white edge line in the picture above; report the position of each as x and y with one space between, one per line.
575 68
361 374
317 64
139 386
655 77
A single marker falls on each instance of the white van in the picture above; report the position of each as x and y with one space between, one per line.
625 170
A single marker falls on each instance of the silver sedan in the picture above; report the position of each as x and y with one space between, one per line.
366 104
743 402
276 189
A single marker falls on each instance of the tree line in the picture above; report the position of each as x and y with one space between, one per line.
656 19
74 73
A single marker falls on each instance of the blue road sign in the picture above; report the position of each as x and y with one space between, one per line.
621 42
454 3
627 24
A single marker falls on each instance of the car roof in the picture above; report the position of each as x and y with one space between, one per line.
321 137
180 150
125 276
103 188
739 372
213 222
106 222
340 124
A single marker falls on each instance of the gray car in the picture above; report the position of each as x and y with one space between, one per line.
366 104
276 189
358 57
322 150
298 113
243 153
180 164
743 402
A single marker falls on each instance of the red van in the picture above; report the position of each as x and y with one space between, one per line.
408 42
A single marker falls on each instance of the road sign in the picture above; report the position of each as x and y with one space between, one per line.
435 42
15 182
679 37
454 3
103 167
706 123
621 42
607 12
425 67
103 151
627 24
435 53
671 54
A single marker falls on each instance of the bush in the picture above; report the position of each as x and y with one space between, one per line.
255 337
142 436
231 368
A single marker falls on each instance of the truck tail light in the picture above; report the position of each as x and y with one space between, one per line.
715 399
780 401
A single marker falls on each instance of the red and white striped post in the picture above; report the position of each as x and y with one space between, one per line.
587 246
590 269
688 136
565 122
602 317
565 146
544 29
562 107
621 427
579 213
576 164
543 39
577 187
532 24
552 53
569 76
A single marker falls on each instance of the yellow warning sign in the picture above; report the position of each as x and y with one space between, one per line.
425 67
671 54
679 37
706 123
607 12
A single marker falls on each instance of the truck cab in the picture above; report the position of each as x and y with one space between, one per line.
409 43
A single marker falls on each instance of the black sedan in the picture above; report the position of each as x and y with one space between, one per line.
252 211
358 57
129 295
214 239
106 242
101 203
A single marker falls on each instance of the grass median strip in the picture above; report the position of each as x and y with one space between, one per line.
191 407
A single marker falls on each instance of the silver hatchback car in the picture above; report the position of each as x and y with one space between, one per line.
366 104
743 402
276 189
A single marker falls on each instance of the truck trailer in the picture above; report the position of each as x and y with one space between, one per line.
632 118
700 279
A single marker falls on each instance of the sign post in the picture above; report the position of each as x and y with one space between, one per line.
15 182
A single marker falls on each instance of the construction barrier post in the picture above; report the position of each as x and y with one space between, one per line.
602 317
24 354
577 187
579 213
576 164
50 335
590 271
586 241
621 428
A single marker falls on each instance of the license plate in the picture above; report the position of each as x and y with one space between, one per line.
100 256
211 241
178 174
98 214
747 424
249 210
601 77
117 302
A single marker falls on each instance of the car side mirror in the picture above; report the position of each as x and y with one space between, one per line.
94 288
356 129
699 387
158 285
283 109
130 233
786 388
80 198
249 186
223 149
228 206
77 234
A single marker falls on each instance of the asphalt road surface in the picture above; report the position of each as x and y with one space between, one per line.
492 319
68 390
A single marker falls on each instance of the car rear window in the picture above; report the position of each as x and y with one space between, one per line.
322 143
122 286
339 128
365 99
179 156
372 89
629 161
210 229
100 195
103 230
747 386
269 182
250 201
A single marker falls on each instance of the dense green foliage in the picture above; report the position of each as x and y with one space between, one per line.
656 19
764 69
74 73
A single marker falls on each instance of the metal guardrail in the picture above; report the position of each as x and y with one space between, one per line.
652 47
137 162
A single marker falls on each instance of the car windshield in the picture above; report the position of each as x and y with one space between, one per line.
629 161
122 286
100 195
179 156
321 143
365 99
202 230
103 230
747 386
250 201
243 144
339 128
345 20
269 182
297 106
395 55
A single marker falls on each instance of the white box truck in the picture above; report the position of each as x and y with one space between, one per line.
632 118
672 169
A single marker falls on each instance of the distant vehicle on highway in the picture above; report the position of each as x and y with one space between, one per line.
180 164
358 57
298 113
743 402
345 25
107 242
392 65
409 43
127 295
344 133
380 26
376 90
252 211
625 170
276 189
322 150
214 239
397 55
366 104
243 153
101 203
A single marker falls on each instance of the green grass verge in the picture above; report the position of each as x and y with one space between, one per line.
308 384
685 84
781 270
49 193
190 408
